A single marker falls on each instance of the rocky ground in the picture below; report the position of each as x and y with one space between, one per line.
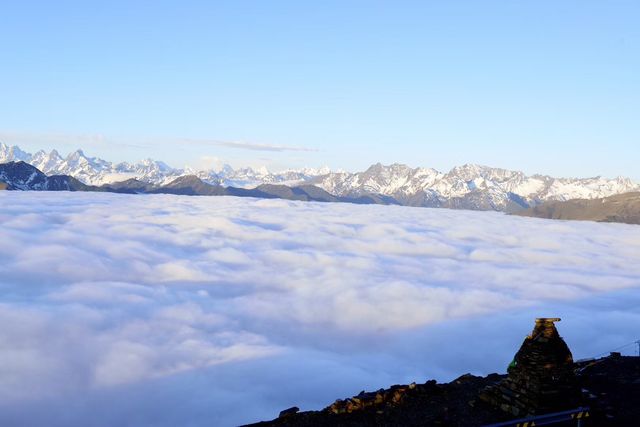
610 387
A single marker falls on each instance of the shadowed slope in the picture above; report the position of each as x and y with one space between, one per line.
619 208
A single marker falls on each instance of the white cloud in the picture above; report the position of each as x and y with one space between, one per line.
100 140
166 310
243 145
50 138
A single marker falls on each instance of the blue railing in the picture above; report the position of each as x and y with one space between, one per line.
577 415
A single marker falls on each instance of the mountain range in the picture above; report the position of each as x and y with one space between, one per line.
25 177
95 171
463 187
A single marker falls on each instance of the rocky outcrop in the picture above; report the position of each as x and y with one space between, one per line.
540 378
426 404
380 398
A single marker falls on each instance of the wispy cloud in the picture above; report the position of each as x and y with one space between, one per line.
243 145
221 311
100 140
50 139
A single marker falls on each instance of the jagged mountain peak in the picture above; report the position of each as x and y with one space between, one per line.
471 171
95 171
149 161
12 153
79 157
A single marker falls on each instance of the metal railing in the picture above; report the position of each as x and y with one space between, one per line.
577 415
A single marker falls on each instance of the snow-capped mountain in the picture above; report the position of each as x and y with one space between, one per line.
465 187
25 177
468 186
95 171
9 154
249 177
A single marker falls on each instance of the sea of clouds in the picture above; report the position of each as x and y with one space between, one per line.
140 310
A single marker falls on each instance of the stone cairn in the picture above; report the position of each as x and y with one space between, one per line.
540 378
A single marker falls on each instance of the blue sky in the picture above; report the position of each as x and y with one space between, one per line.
545 86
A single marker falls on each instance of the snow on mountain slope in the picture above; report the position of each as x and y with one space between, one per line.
12 154
468 186
95 171
46 161
90 170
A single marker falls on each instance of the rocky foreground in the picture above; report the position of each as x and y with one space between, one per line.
538 383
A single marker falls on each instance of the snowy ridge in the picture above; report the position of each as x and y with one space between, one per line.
467 186
95 171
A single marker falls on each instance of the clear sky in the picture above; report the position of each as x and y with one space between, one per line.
540 86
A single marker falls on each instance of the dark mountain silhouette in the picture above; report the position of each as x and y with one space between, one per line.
68 183
23 176
303 192
132 186
190 185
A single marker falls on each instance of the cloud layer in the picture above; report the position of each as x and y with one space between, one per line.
166 310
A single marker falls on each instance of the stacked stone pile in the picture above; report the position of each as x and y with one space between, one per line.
540 378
